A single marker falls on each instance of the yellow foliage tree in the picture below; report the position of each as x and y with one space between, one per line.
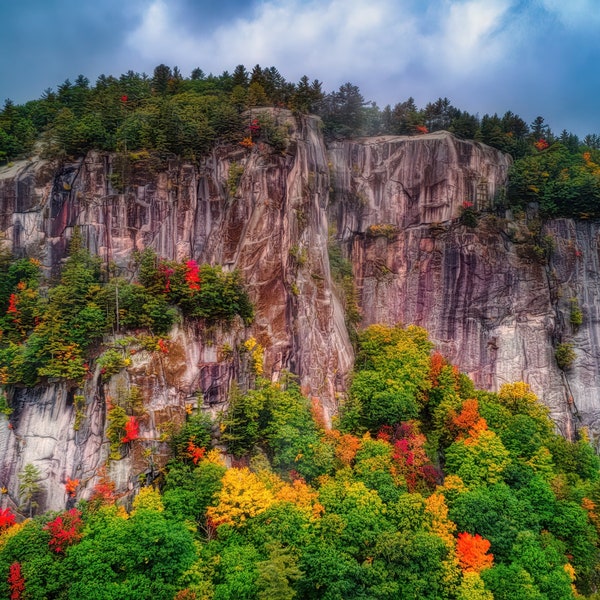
441 525
472 587
148 499
519 398
243 496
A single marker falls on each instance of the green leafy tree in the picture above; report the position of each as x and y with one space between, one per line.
29 488
277 574
190 490
129 558
495 513
391 379
478 459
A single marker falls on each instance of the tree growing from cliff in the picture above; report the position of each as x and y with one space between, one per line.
29 488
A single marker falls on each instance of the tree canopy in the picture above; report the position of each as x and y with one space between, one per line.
465 494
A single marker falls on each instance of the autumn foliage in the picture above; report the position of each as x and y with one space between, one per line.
437 363
16 581
12 305
243 496
192 275
472 552
468 422
7 519
65 530
410 458
71 486
132 430
345 446
195 453
104 490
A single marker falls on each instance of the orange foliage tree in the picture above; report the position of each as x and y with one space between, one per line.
194 452
345 446
104 491
468 422
472 553
71 486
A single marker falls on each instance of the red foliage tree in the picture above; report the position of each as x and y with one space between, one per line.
254 127
132 430
12 304
166 272
192 275
385 433
65 530
410 458
7 519
472 553
16 581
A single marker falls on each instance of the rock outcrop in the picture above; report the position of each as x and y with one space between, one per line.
495 297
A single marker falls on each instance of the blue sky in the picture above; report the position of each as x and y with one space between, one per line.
534 57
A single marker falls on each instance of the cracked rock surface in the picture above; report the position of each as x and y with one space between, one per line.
495 302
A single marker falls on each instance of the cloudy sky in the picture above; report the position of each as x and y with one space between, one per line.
534 57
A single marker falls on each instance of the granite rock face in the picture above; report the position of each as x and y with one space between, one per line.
495 300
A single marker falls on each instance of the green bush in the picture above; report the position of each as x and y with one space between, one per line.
111 361
565 355
576 314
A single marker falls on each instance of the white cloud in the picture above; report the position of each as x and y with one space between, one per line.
470 35
574 13
334 40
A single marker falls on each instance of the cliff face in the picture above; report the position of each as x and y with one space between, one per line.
493 304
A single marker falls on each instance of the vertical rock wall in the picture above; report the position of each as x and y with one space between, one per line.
269 222
492 302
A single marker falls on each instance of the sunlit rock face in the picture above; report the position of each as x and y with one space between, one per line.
493 304
248 209
495 297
